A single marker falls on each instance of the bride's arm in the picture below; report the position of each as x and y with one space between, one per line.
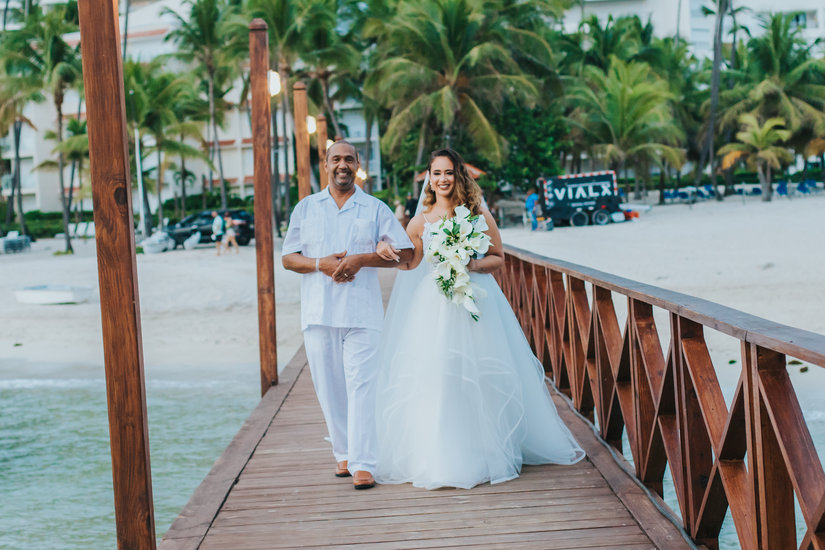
414 230
494 259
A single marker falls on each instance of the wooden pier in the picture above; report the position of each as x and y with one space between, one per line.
274 488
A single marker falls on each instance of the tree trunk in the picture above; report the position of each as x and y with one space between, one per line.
368 154
764 181
286 114
182 183
60 164
330 108
125 29
203 192
14 178
721 10
662 185
637 184
678 21
17 183
147 218
160 183
623 168
216 143
419 157
276 169
5 13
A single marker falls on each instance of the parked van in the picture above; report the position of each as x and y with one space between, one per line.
580 199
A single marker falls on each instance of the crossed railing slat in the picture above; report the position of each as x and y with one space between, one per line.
751 459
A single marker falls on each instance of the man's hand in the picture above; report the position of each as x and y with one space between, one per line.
329 264
348 266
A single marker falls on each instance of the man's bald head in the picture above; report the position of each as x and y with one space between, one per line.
339 143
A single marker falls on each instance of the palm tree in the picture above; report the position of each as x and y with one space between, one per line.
781 78
163 90
38 50
15 94
329 56
75 147
212 37
189 113
759 147
625 115
448 64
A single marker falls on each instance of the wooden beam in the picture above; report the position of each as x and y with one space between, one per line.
321 136
299 99
117 273
262 174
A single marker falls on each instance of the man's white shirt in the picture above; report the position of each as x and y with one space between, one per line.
317 228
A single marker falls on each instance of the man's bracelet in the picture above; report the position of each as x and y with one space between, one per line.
317 263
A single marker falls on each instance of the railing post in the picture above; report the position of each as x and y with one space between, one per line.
299 99
321 136
774 492
117 273
264 255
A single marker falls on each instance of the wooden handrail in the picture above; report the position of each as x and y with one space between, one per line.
752 458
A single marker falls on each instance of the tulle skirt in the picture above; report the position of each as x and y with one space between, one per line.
462 402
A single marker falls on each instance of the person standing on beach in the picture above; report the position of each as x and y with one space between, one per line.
229 233
218 227
530 206
331 240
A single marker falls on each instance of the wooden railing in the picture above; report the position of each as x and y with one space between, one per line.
751 458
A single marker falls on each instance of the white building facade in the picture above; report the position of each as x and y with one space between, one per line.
688 16
148 27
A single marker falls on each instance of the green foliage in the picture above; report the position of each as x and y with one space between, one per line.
534 137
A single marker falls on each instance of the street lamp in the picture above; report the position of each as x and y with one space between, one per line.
274 83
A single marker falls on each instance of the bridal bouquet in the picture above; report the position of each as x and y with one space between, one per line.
455 241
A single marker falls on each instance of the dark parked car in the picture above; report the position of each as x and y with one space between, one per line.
244 227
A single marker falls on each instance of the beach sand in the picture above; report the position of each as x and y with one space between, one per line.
766 259
199 310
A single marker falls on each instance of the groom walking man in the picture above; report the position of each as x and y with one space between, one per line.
331 241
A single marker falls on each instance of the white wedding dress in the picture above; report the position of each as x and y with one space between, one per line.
461 402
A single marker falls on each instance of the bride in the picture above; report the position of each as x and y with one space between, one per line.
460 401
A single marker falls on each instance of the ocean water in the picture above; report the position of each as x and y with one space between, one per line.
55 462
55 465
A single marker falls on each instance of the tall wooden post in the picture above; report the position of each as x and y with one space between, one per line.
321 136
261 152
117 273
299 99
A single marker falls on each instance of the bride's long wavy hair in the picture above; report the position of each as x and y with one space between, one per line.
465 191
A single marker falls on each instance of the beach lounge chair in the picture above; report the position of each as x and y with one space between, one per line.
709 190
782 189
803 189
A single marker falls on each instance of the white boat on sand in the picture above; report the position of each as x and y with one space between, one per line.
53 294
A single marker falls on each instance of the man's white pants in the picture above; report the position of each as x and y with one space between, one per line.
344 367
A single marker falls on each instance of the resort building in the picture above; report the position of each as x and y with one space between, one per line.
690 19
